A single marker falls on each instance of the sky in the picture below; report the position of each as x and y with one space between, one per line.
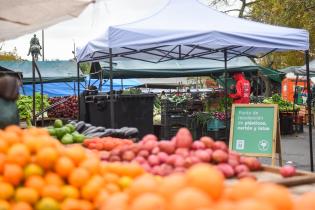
61 38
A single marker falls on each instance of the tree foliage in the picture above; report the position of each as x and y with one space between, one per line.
9 56
289 13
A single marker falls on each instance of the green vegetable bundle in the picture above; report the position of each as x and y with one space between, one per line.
25 106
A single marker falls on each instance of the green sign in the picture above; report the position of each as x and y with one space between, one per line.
253 129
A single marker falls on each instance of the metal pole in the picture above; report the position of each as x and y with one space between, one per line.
226 96
309 107
122 83
43 45
111 100
41 93
33 85
78 80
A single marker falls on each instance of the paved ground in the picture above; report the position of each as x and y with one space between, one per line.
296 148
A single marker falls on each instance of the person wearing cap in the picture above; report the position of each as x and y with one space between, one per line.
242 89
9 93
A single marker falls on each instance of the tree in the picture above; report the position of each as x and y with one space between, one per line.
239 6
9 56
290 13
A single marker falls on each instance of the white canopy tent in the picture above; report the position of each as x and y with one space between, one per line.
188 22
185 29
18 17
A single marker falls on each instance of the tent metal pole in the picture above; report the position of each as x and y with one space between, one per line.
111 100
309 107
78 80
34 86
225 96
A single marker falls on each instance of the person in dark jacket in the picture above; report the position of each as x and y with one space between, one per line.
9 93
242 88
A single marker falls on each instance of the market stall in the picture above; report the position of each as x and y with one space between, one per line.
166 36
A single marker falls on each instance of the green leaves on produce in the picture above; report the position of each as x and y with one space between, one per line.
25 106
283 104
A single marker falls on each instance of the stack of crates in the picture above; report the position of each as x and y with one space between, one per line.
173 117
216 129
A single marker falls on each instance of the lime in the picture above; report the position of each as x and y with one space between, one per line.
67 139
58 123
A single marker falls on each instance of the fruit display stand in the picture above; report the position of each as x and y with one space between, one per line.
301 182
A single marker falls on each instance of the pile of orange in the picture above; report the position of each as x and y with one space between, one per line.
202 188
37 172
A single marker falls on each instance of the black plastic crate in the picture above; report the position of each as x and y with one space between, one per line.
168 106
169 131
194 127
130 111
219 134
174 119
286 124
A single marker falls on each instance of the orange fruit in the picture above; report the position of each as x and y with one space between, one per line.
92 188
223 205
4 205
132 170
10 137
275 195
64 166
101 198
190 198
13 174
144 184
21 206
79 177
2 162
91 164
112 188
171 184
70 204
32 169
33 143
118 201
52 191
242 189
25 194
148 201
35 182
6 191
111 177
18 154
47 203
76 153
69 191
85 205
251 204
47 157
53 179
306 201
14 129
206 178
3 146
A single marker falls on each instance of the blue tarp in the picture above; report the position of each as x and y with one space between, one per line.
70 88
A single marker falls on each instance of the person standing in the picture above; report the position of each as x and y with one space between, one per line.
242 89
9 93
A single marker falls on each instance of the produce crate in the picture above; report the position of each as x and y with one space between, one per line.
169 131
215 124
286 123
171 107
218 134
174 119
302 182
194 127
130 111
